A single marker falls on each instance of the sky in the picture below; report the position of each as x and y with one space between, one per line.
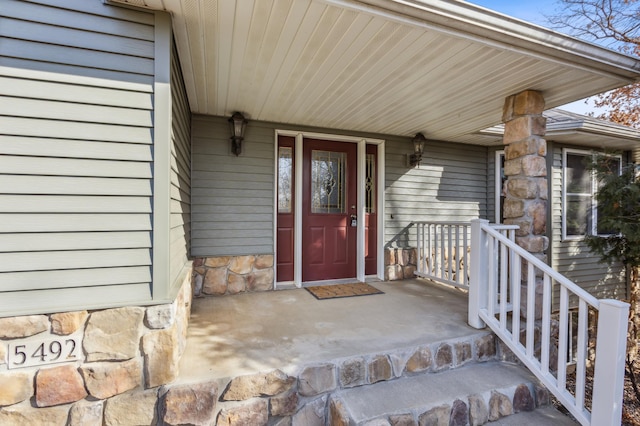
528 10
533 11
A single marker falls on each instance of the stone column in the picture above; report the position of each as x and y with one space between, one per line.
525 168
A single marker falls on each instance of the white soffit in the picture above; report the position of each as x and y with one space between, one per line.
396 67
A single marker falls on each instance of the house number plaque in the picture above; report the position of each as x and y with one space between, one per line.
43 351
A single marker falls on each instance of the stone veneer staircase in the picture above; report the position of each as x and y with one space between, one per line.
458 382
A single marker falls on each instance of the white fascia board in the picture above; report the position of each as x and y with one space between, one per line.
485 26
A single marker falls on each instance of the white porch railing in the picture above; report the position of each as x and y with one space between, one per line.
495 295
443 250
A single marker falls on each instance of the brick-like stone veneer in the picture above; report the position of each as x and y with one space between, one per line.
217 276
525 167
127 355
399 263
221 275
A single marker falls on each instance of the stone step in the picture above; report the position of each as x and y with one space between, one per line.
474 393
543 416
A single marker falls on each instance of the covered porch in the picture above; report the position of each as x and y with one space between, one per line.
311 355
287 358
250 332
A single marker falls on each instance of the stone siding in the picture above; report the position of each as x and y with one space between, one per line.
526 189
399 263
217 276
127 355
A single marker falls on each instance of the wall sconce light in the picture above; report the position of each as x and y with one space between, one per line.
418 149
237 124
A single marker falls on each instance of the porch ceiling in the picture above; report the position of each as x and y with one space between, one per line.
441 67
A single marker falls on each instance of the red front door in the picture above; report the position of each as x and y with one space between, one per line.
329 206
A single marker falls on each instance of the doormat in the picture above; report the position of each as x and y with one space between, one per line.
322 292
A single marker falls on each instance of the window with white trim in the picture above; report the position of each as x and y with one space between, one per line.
579 186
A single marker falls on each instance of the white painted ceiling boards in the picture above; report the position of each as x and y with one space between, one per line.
441 67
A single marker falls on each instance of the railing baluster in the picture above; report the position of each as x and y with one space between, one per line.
456 248
420 237
583 315
465 265
546 323
531 309
436 252
428 254
425 248
496 271
450 247
503 265
442 252
563 335
516 293
491 294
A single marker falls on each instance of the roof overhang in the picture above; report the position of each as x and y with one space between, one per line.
441 67
575 129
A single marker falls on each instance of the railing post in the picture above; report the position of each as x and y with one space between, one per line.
479 273
611 345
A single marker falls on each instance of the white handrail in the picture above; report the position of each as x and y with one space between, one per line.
495 296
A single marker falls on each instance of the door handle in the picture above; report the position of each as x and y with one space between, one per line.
354 220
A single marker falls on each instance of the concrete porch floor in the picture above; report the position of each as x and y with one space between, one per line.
241 334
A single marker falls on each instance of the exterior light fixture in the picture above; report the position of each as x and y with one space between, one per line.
418 149
237 124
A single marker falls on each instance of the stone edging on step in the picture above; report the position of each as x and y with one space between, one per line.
300 394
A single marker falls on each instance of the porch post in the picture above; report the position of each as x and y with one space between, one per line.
478 278
611 344
525 168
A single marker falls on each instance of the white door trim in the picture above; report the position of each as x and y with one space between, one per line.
360 231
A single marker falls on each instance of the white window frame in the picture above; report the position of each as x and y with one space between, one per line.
594 186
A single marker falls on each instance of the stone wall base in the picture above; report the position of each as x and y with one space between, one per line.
217 276
223 275
399 263
127 355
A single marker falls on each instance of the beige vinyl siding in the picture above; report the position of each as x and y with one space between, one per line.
449 185
76 155
232 197
573 258
180 192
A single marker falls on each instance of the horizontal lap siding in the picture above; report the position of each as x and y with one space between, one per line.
76 152
449 185
573 258
232 197
180 233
